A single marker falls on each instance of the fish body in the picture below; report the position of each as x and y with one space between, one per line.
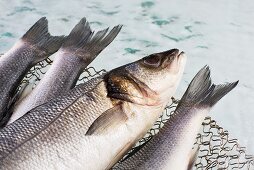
93 128
79 49
171 147
35 45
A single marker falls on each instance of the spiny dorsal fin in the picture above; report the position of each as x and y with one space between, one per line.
38 35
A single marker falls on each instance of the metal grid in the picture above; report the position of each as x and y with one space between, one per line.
217 149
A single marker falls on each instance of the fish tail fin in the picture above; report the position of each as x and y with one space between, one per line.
38 35
86 44
219 91
202 93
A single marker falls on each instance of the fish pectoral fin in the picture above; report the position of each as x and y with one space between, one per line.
107 120
193 157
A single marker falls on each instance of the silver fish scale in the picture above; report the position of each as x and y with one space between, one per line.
217 149
57 131
20 64
46 113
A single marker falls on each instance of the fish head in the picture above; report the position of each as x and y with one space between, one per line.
151 80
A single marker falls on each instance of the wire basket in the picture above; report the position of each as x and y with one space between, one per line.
217 149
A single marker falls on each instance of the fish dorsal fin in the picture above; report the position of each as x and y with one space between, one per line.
193 156
107 120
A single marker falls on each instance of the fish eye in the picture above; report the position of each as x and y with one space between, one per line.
152 60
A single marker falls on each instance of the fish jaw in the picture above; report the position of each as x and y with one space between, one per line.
168 74
143 84
169 92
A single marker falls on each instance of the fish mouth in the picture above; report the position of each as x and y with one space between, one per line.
176 61
178 55
170 56
181 56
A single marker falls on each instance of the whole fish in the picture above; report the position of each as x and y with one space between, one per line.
36 45
93 125
77 52
171 147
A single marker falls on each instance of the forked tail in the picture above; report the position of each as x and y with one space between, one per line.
39 36
202 93
83 43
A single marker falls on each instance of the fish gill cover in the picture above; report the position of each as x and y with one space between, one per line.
217 150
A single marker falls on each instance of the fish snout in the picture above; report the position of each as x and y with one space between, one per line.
170 53
169 56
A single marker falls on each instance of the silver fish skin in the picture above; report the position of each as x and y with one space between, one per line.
80 48
35 45
93 128
171 147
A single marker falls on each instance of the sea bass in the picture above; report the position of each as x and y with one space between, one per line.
35 45
171 147
93 125
77 52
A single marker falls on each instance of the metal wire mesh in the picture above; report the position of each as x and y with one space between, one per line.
217 149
